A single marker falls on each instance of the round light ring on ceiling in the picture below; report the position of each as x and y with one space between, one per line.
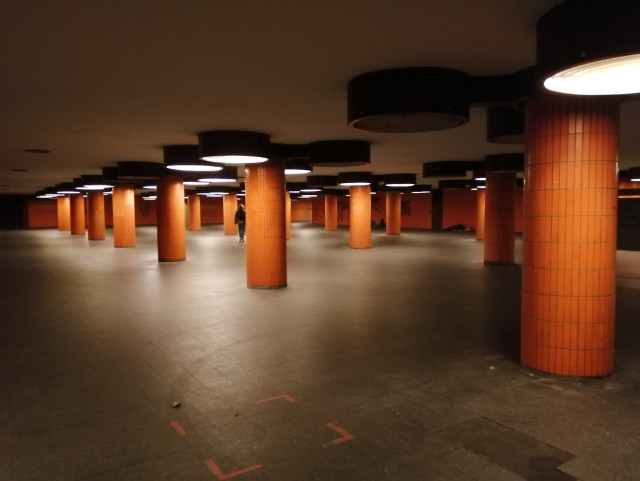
186 158
511 162
634 174
234 146
399 180
449 168
413 99
590 47
297 167
421 189
92 182
133 170
505 125
229 173
354 178
340 153
66 188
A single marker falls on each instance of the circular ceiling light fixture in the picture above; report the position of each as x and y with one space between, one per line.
234 146
634 174
66 188
340 153
399 180
185 158
421 189
413 99
228 173
134 170
505 125
92 182
352 179
590 47
297 167
449 168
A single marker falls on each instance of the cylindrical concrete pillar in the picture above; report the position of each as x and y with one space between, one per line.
393 208
266 231
569 235
330 212
499 215
480 214
64 213
287 213
95 215
124 216
229 208
172 241
194 220
77 214
360 217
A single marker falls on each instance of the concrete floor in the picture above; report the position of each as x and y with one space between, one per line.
398 362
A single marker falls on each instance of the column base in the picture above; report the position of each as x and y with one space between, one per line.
172 260
499 263
267 287
561 377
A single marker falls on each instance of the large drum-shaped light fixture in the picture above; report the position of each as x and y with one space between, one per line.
186 158
590 47
413 99
234 146
340 153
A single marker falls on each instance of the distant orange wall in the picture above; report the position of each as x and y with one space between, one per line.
301 210
211 211
459 207
317 210
42 213
416 211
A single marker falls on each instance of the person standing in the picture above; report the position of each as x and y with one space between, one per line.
241 219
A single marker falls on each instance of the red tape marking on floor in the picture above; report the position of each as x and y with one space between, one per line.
179 429
345 435
281 396
220 475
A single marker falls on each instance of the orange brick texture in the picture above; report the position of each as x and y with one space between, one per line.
360 217
229 208
124 216
77 214
330 212
266 230
393 213
64 213
499 218
95 215
172 238
480 206
194 221
569 236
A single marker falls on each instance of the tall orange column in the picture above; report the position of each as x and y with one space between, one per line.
360 217
393 208
480 214
229 208
64 213
194 220
287 213
124 216
172 241
266 231
569 235
330 212
499 218
77 214
95 215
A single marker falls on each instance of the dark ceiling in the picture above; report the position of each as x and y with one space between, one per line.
97 82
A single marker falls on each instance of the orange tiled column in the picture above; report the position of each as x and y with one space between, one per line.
360 217
172 242
330 212
480 214
266 231
287 212
194 218
64 213
95 215
229 208
499 218
77 214
569 235
124 216
393 206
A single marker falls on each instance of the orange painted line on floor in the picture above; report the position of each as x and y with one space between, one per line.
345 435
179 429
220 475
281 396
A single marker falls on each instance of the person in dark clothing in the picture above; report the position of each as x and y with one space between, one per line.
241 219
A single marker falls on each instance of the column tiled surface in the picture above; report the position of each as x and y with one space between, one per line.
403 346
569 236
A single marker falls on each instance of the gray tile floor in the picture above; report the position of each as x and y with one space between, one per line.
398 362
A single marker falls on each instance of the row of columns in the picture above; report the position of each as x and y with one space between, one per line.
569 234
